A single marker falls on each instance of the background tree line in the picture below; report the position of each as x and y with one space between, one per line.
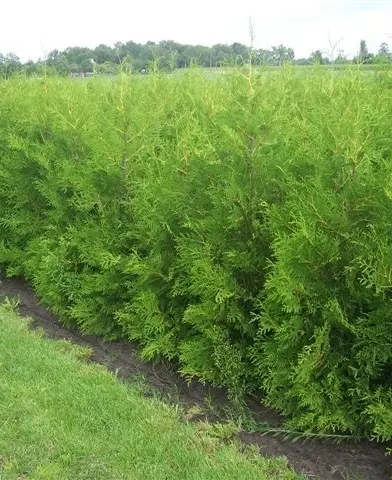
168 55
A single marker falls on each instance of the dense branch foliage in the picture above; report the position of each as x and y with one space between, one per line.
240 224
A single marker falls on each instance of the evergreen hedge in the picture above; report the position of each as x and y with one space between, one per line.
241 225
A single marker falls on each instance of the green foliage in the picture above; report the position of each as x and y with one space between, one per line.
240 225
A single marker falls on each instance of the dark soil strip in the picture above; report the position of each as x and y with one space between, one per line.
317 459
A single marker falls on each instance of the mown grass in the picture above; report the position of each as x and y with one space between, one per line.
64 418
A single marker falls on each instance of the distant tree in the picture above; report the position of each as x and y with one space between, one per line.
79 56
167 55
204 56
281 55
147 55
384 55
363 56
222 55
363 50
9 65
133 49
120 52
86 66
262 57
31 68
341 58
58 61
166 62
290 54
240 53
103 54
316 57
384 50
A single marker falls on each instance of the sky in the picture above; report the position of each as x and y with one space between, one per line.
32 28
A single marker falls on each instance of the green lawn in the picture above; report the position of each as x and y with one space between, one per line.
63 418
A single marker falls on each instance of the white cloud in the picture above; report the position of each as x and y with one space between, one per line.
32 29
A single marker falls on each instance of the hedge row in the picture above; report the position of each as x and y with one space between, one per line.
241 225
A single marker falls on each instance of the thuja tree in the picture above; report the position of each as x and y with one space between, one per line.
208 244
239 224
323 350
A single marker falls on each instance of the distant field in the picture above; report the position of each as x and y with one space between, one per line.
299 68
